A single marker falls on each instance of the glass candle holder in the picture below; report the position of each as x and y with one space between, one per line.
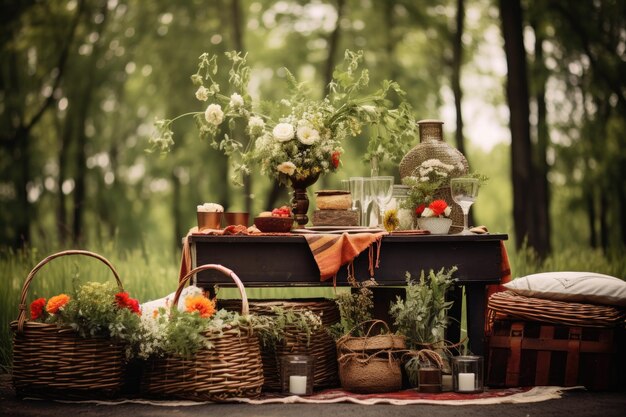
429 378
296 374
467 373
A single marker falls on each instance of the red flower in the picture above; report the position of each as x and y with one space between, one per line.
335 158
420 209
37 308
438 207
123 300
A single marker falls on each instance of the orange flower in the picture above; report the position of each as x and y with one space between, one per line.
56 303
201 304
36 308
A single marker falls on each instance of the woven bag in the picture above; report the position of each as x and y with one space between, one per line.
232 368
50 361
321 345
370 364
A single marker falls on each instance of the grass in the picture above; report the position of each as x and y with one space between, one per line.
150 275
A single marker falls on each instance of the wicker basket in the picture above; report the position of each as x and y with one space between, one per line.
371 364
232 368
507 303
321 346
55 362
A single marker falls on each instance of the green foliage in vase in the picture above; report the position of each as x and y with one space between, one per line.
298 136
428 177
422 315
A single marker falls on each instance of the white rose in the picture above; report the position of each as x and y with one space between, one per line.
286 168
427 212
236 101
283 132
447 211
307 135
202 93
214 114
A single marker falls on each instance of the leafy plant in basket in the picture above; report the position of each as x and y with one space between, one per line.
298 137
272 328
422 316
354 308
93 310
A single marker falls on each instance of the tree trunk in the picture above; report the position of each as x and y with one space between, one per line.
517 98
19 139
333 44
81 139
541 222
457 62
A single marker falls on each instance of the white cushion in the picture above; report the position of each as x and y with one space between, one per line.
579 287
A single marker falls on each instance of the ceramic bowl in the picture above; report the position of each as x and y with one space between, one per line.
273 224
435 225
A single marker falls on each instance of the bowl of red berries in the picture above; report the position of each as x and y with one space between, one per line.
279 220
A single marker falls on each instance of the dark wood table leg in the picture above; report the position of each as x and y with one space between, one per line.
476 294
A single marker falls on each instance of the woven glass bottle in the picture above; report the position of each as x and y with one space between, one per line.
432 146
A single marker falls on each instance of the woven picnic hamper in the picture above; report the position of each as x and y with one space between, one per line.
321 345
232 368
50 361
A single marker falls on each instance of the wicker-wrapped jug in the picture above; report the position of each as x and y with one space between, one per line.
432 146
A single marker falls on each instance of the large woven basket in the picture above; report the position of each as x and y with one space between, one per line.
321 346
509 304
55 362
371 363
232 368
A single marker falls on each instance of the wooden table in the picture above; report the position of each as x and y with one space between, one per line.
283 261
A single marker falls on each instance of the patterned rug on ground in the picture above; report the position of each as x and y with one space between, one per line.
406 397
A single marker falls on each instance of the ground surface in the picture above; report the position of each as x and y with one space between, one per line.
574 404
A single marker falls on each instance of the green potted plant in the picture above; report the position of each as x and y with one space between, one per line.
422 316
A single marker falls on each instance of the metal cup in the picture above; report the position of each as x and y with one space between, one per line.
235 218
209 220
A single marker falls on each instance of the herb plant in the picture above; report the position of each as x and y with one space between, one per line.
422 315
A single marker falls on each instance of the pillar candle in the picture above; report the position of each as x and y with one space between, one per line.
466 381
297 384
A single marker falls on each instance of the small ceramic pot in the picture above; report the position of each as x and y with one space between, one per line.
435 225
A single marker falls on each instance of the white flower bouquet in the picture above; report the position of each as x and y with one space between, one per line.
298 137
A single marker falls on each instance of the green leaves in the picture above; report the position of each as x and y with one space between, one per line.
422 315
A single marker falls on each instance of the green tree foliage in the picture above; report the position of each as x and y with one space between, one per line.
82 81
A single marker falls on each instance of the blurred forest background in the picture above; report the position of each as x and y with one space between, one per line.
532 92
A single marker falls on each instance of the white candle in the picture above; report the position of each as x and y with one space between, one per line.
446 382
466 381
297 384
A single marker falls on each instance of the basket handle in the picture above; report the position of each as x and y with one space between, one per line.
245 310
21 318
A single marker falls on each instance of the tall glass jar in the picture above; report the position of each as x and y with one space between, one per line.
405 215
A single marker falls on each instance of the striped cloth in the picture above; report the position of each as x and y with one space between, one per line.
331 251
